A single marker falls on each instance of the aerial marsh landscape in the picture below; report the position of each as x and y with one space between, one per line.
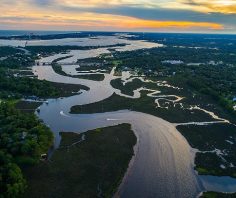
117 99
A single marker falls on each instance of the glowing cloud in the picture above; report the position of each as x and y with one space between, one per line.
221 6
124 15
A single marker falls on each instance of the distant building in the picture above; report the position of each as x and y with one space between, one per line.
195 64
172 62
215 63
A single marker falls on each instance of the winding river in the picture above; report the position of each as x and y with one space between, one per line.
163 162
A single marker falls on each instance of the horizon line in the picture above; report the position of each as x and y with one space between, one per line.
120 31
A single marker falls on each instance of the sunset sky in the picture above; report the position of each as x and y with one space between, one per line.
120 15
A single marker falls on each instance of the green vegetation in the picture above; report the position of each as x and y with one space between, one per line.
27 107
49 50
214 136
101 62
12 182
65 90
8 51
23 73
211 84
116 62
204 138
202 171
214 89
118 70
91 168
215 75
12 86
17 87
23 138
22 141
86 68
218 195
11 58
144 104
208 138
129 87
96 77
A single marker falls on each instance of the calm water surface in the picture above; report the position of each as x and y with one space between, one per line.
163 163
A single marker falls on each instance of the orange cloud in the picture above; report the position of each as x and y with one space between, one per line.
220 6
23 15
170 24
93 3
87 21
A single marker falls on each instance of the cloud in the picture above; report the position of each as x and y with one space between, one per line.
106 23
162 14
221 6
178 15
43 2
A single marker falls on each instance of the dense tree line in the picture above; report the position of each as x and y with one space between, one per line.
17 87
23 138
14 62
219 41
13 58
8 51
49 50
152 58
12 182
225 102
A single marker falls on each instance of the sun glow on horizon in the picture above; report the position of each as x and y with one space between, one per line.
98 15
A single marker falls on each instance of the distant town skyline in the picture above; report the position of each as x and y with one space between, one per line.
200 16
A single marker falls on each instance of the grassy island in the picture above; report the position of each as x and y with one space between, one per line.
93 167
96 77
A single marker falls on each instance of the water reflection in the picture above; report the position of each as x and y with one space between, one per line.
163 164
